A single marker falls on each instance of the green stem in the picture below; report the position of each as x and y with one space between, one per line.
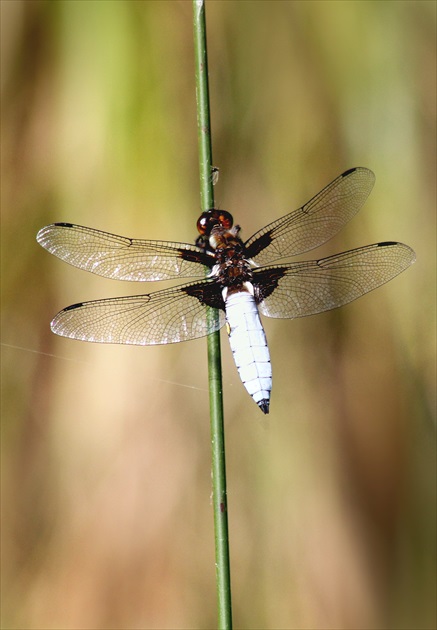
223 577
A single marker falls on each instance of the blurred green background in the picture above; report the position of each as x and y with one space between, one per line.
107 517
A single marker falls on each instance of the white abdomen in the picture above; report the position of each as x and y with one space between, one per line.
249 346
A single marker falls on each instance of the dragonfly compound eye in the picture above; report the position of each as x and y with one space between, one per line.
202 223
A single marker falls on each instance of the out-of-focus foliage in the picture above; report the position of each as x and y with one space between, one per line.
107 521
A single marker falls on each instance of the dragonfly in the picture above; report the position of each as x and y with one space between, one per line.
235 277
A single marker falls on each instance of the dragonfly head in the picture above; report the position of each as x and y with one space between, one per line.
212 218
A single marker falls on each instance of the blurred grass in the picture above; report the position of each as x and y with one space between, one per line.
107 521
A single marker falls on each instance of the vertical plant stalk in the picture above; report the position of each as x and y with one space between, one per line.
223 577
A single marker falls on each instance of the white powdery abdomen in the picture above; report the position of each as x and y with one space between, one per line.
249 346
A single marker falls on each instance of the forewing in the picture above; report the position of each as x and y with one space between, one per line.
306 288
122 258
167 316
315 222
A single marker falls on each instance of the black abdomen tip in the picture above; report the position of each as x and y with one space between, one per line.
264 405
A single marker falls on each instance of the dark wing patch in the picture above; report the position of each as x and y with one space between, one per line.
315 222
162 317
122 258
266 280
207 292
306 288
262 242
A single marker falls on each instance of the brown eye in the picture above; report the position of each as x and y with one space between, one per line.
225 219
202 223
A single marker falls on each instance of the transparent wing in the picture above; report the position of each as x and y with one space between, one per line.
122 258
306 288
167 316
315 222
